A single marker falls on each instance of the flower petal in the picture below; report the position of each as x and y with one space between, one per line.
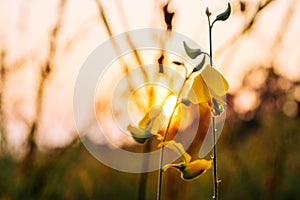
178 148
199 92
145 121
215 80
138 134
157 124
194 169
153 113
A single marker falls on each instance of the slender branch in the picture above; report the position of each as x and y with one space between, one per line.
160 176
144 175
214 156
215 174
210 41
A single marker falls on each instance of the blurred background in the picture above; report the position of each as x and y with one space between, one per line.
44 43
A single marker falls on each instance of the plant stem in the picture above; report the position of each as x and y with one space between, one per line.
160 175
214 156
215 174
210 42
144 176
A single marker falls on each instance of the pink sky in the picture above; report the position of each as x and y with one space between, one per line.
24 31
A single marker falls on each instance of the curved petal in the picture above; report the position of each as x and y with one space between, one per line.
157 124
178 148
145 121
138 134
199 92
194 169
215 80
153 113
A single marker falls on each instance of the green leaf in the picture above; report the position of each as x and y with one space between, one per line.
200 65
224 15
192 53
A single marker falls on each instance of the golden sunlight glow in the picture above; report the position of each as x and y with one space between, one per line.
169 105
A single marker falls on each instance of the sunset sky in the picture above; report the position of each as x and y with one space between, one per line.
24 36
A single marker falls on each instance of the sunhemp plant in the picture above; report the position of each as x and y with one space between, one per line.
208 86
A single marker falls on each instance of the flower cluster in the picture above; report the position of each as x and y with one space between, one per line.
208 85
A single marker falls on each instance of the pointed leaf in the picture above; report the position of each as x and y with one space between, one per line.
224 15
192 53
200 65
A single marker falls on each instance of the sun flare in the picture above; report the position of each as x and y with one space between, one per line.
169 106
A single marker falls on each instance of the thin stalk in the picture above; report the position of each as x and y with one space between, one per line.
210 42
144 175
214 156
160 175
215 174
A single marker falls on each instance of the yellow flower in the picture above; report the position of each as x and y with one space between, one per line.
209 86
150 125
191 170
177 148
